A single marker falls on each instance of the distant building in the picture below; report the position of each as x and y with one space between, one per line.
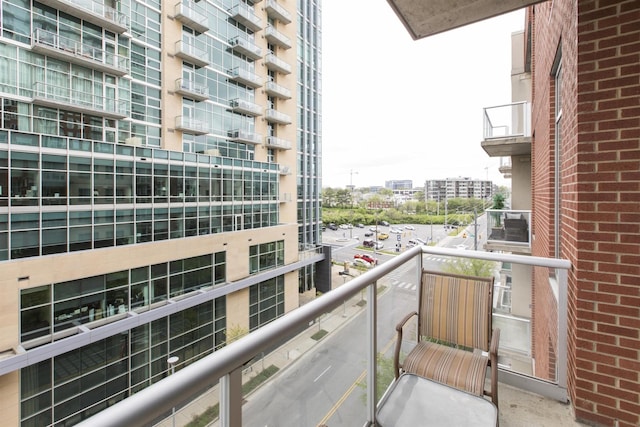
399 184
465 188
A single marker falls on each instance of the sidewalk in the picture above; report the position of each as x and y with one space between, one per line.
281 357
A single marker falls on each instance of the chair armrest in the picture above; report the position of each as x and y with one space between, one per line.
396 355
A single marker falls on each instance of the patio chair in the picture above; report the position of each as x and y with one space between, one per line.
455 342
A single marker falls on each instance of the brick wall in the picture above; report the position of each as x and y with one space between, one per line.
600 209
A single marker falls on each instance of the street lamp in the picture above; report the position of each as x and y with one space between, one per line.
172 364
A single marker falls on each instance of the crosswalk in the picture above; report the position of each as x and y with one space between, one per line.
407 286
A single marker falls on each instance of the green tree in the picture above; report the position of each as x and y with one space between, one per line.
384 377
469 267
498 201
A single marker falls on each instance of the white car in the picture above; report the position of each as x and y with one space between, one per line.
395 230
409 227
344 227
420 241
360 261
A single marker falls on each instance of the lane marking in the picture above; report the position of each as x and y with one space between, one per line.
323 372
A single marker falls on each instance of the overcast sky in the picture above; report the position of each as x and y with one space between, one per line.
395 108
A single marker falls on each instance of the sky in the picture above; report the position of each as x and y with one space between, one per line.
394 108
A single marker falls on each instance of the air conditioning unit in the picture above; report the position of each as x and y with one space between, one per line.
133 141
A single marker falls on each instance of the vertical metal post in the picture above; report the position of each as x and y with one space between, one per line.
231 399
372 395
172 364
561 366
475 229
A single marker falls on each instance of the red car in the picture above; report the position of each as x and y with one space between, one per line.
367 258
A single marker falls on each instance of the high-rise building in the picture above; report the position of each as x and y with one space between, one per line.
159 174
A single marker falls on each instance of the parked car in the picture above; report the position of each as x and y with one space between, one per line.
373 228
360 261
369 259
368 234
332 226
344 227
420 241
379 245
368 243
409 227
395 230
385 223
360 225
383 236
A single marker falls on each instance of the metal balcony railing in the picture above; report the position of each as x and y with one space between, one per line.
245 77
191 15
51 44
224 368
94 11
277 143
274 116
191 89
276 11
276 64
276 37
79 100
507 121
246 16
279 91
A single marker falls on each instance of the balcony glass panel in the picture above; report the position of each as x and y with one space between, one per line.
67 49
96 12
78 100
191 89
190 125
192 54
507 121
276 37
509 226
348 336
275 116
276 11
245 47
276 64
245 107
191 15
278 143
277 90
245 15
245 77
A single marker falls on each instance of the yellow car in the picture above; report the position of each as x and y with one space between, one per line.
383 236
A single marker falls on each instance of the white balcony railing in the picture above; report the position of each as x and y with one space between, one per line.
245 47
279 91
276 37
191 15
246 16
245 77
276 64
191 126
274 116
277 143
51 44
94 11
276 11
224 368
79 100
243 106
239 135
507 121
187 50
191 89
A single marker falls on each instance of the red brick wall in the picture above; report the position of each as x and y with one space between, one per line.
600 221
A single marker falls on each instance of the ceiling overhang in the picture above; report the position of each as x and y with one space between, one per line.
424 18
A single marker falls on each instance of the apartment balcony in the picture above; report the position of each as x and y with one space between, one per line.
191 16
275 11
357 316
79 101
276 64
239 135
245 47
279 91
507 130
274 116
509 231
192 54
93 11
244 15
505 167
192 90
242 106
191 126
285 198
277 143
284 170
247 78
65 49
274 36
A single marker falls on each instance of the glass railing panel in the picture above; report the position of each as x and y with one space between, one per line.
506 121
509 226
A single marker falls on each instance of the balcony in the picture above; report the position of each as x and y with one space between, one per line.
192 54
79 101
242 106
507 130
357 316
191 16
274 116
277 143
244 15
247 78
238 135
191 126
274 89
274 36
245 47
192 90
285 198
505 167
65 49
275 11
509 230
284 170
276 64
93 11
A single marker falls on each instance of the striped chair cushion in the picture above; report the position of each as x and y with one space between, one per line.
456 309
456 368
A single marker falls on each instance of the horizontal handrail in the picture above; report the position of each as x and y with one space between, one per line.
154 401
